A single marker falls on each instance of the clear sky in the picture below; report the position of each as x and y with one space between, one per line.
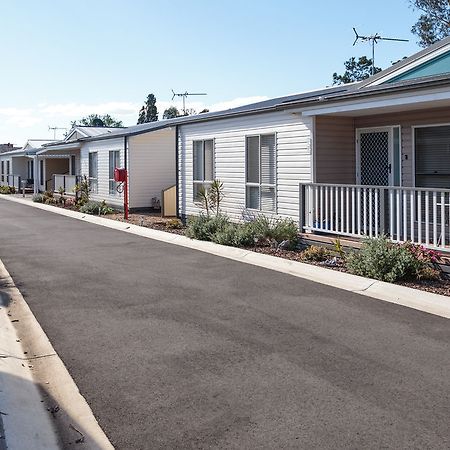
62 60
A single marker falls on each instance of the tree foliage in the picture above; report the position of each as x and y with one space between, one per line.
171 113
149 111
96 120
434 21
355 70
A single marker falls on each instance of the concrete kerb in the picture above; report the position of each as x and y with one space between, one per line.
401 295
26 423
30 425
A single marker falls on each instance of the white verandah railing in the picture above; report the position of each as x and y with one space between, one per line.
67 182
420 215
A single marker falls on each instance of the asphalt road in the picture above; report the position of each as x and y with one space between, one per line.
174 348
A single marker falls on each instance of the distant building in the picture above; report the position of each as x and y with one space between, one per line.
7 147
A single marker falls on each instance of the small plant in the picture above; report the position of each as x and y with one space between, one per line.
82 191
216 195
338 248
50 200
38 198
203 227
383 260
174 224
211 197
225 235
7 190
70 202
285 230
315 253
95 208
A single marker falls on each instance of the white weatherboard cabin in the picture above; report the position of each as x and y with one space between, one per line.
356 160
149 157
18 168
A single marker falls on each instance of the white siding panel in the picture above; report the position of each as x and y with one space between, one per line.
152 166
294 161
102 148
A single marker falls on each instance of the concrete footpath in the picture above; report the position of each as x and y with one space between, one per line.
24 421
41 405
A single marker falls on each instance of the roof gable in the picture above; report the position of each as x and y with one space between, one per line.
433 61
437 66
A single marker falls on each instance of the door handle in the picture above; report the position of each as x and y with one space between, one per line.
390 168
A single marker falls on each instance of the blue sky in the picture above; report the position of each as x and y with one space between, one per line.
63 60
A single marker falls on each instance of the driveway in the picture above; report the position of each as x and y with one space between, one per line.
174 348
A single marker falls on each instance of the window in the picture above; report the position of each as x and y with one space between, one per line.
260 178
30 169
432 151
114 161
93 172
2 172
203 165
41 172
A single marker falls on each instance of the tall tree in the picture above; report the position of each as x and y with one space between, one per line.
355 70
149 111
171 113
434 21
96 120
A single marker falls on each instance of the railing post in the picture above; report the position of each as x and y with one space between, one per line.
301 207
383 195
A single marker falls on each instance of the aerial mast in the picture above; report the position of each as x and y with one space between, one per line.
373 39
184 95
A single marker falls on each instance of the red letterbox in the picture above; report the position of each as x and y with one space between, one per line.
120 175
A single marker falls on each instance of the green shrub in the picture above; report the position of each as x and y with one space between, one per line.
225 235
285 230
203 227
38 198
174 224
50 200
383 260
7 190
95 208
315 253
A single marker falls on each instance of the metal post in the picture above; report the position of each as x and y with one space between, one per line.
301 207
383 202
125 196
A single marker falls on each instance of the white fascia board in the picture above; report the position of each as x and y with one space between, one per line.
68 146
411 66
386 101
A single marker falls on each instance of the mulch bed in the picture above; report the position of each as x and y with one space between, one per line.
149 220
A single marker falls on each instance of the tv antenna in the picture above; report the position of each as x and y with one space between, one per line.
55 129
373 39
184 95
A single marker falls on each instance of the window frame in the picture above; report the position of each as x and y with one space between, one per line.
113 184
93 181
206 183
260 184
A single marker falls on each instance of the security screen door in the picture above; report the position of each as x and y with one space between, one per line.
375 157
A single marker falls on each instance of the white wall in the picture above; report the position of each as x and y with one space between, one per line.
152 166
103 147
294 159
